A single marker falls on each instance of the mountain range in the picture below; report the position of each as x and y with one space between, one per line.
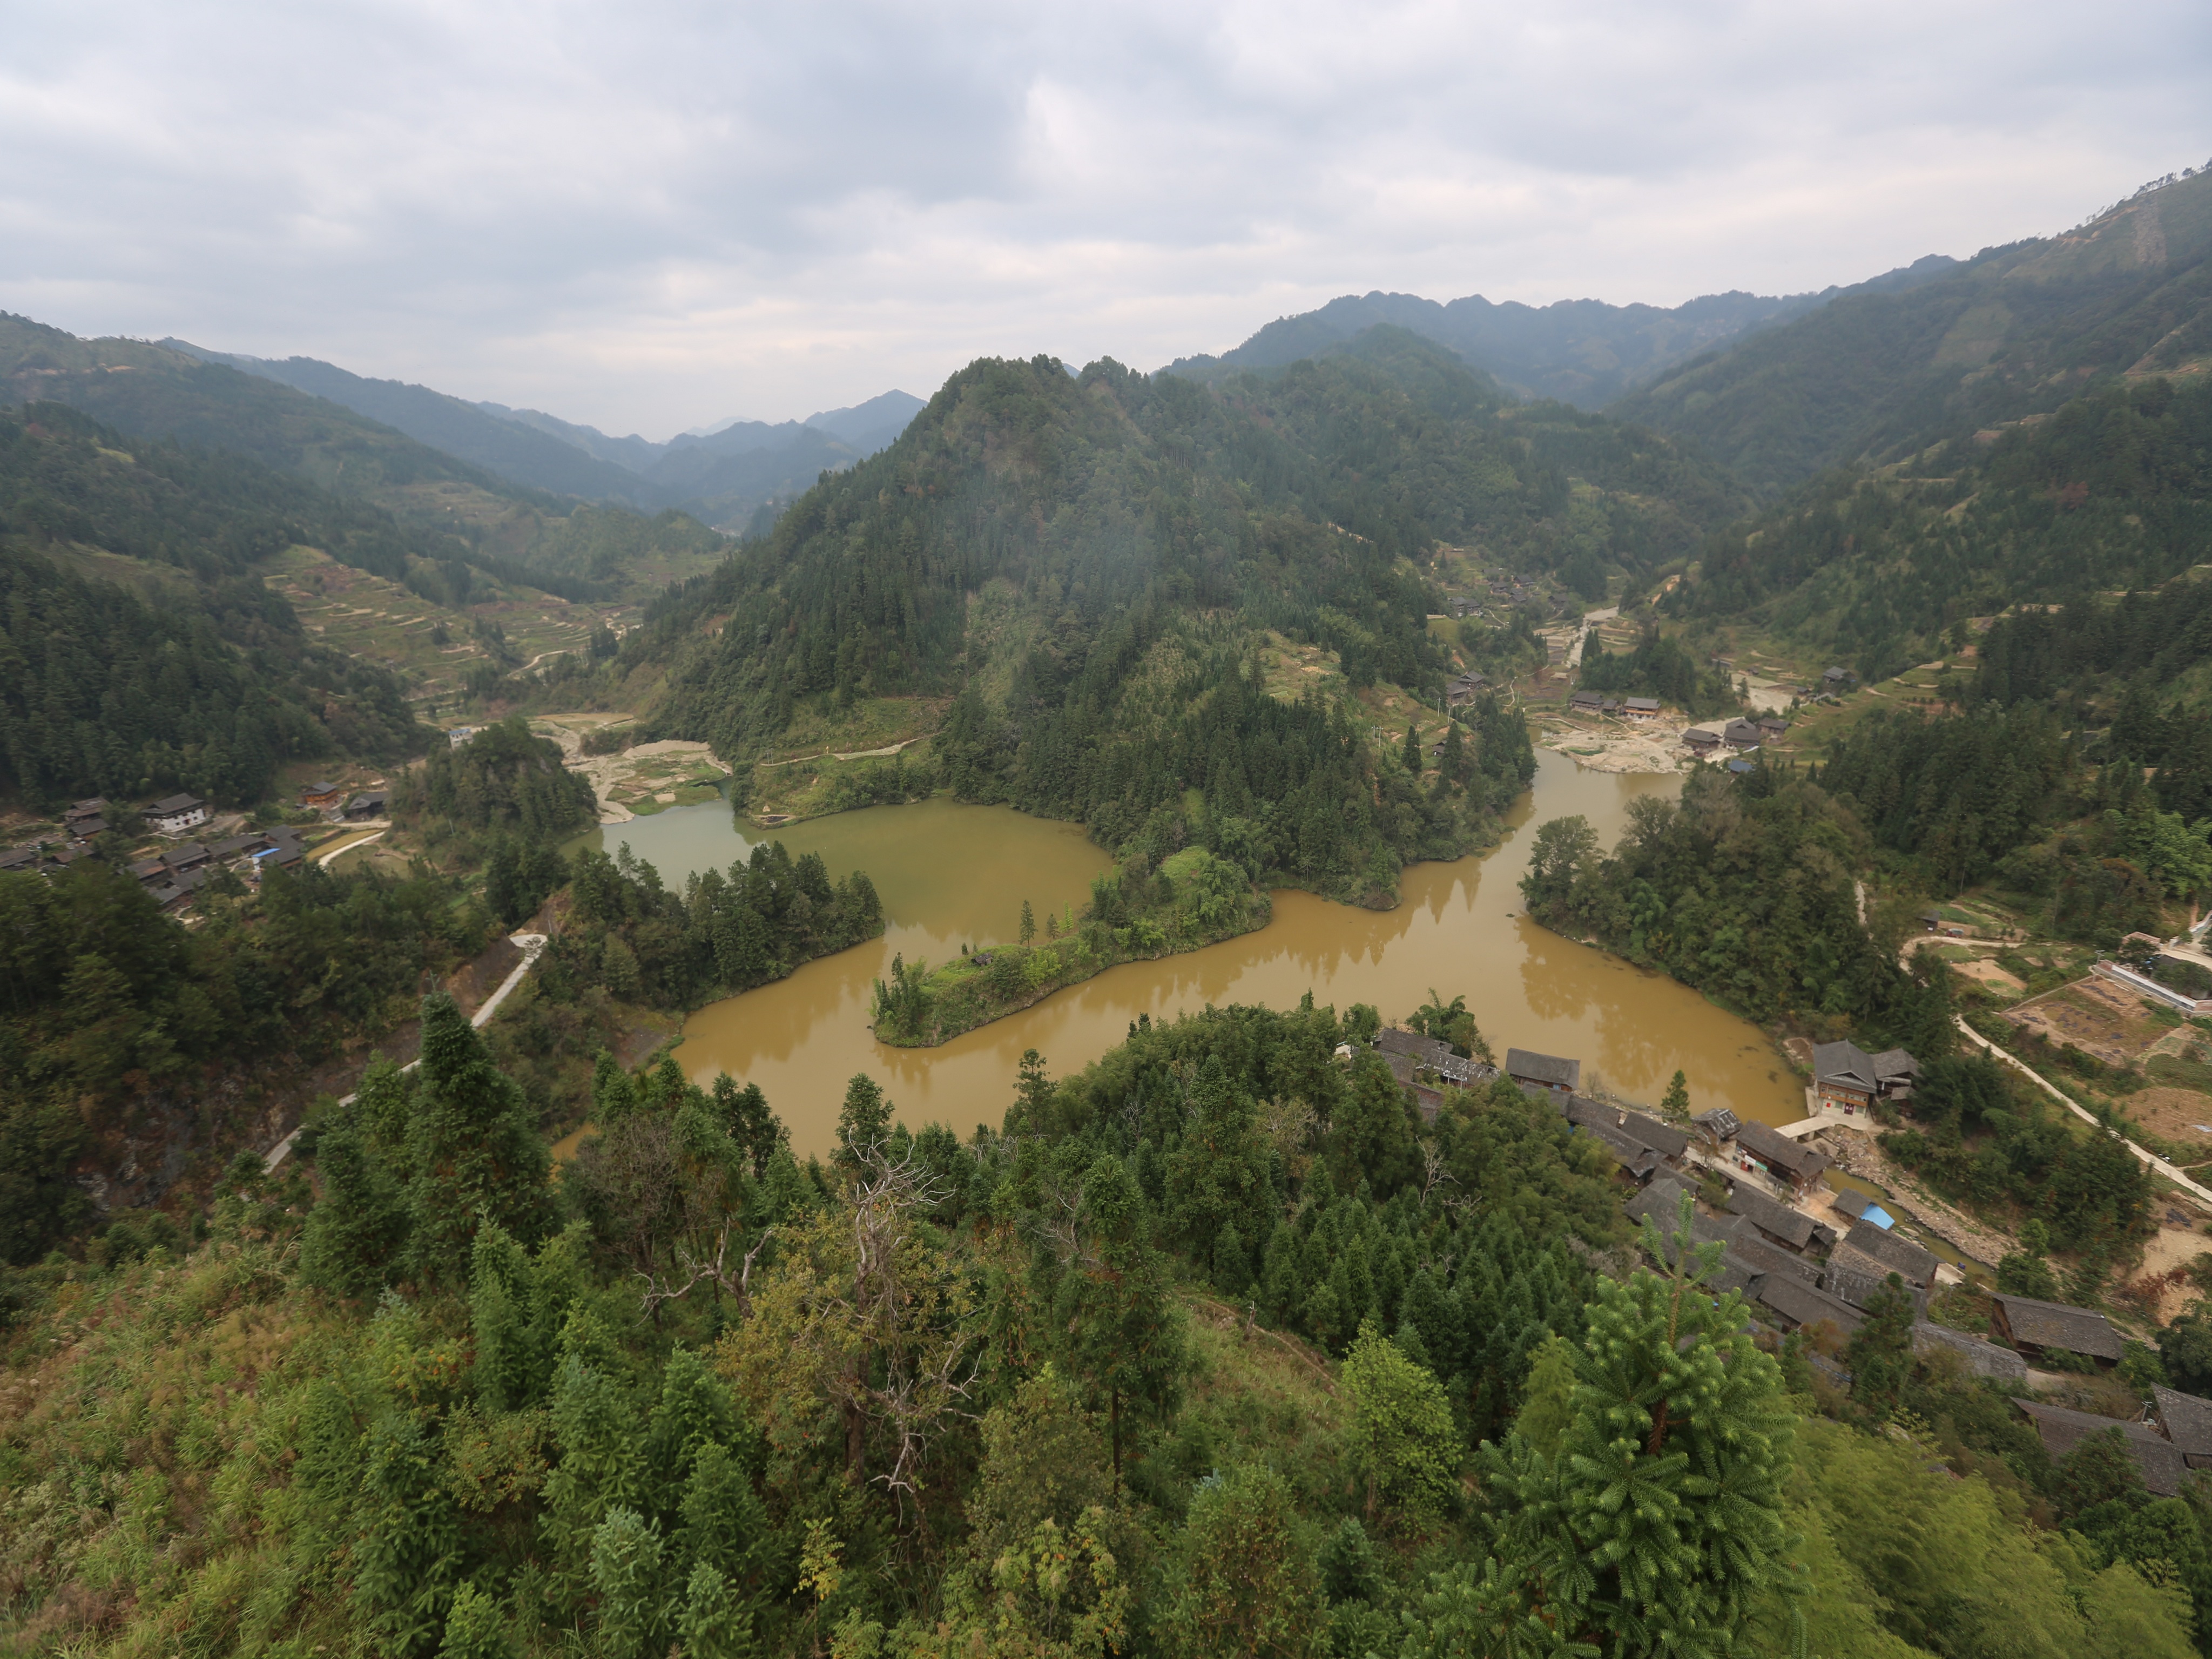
1584 352
722 476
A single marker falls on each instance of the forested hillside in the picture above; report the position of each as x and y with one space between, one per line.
204 680
473 515
1155 1367
2113 491
1092 567
2015 331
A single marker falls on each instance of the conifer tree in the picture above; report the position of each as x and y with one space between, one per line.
476 1628
1658 1526
1028 924
627 1578
359 1227
714 1622
1123 1334
1879 1353
409 1553
865 1119
1413 747
1674 1106
473 1151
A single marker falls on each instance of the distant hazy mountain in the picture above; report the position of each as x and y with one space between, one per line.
723 472
1584 352
2013 333
872 425
517 453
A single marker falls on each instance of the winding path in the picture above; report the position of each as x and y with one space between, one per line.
2149 1158
532 945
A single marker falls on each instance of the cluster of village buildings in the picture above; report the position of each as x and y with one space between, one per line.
172 876
1793 1267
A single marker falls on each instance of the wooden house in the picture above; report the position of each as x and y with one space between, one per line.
1557 1077
1983 1358
2187 1421
321 796
1795 1163
1877 1252
1640 709
2064 1430
1792 1229
2032 1327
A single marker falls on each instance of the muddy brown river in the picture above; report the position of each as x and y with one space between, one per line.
950 874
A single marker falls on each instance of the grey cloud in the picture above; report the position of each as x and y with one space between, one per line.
650 216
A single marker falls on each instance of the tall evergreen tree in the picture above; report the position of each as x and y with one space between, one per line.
475 1152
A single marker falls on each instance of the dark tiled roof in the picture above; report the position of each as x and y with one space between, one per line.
2187 1421
191 852
1778 1151
1662 1200
1846 1063
1548 1069
1895 1063
170 805
1792 1227
1983 1358
18 858
1800 1304
1895 1255
1745 1246
1720 1122
1594 1114
2063 1430
2055 1325
1856 1286
1850 1203
1646 704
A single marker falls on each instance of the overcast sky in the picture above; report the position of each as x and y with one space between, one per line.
649 216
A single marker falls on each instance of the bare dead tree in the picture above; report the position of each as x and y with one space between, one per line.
1434 1173
695 1272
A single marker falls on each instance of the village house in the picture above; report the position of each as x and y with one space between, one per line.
320 796
190 856
1794 1163
1462 689
1557 1077
2187 1421
19 857
174 814
1852 1205
1741 734
1715 1127
84 811
1836 679
1877 1252
1847 1078
367 804
1640 709
1772 726
1638 1143
1790 1228
2064 1430
1585 703
1701 739
459 735
1794 1304
83 830
2032 1327
1983 1358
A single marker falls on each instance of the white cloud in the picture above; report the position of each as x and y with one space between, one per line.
651 215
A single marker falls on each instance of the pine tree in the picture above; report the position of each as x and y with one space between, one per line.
1124 1336
1413 747
1675 1107
474 1152
714 1622
359 1227
476 1628
627 1578
1879 1353
1028 923
1658 1526
409 1553
865 1119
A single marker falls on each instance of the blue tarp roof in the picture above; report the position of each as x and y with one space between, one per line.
1879 1216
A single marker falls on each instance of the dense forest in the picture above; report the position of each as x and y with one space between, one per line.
1211 1347
2113 491
207 681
